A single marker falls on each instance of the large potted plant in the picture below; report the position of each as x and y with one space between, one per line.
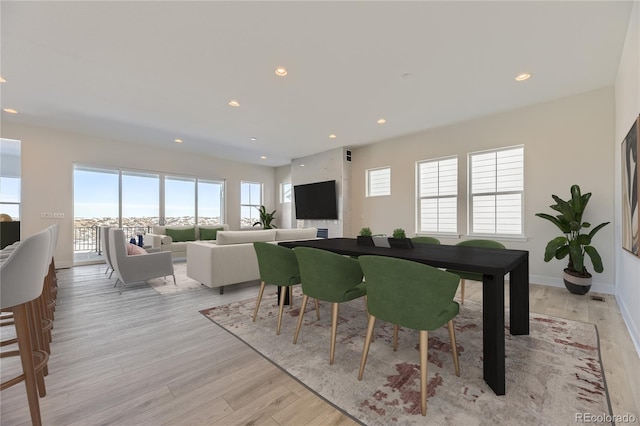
265 218
573 243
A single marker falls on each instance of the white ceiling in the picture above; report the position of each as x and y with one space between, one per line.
151 72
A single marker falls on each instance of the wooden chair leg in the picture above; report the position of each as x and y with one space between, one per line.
290 297
424 344
255 311
281 310
462 291
367 343
28 366
454 348
305 298
334 331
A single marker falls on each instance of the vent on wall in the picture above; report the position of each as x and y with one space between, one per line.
348 155
597 298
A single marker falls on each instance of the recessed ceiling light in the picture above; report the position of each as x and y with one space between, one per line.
522 77
301 165
254 139
281 71
381 121
177 140
263 157
332 136
406 76
2 80
10 110
234 103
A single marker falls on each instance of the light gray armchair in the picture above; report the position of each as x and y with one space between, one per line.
130 269
104 236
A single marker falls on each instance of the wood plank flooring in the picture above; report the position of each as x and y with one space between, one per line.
136 357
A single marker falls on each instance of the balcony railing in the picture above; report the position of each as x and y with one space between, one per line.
87 238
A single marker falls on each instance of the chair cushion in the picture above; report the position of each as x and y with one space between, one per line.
178 235
209 233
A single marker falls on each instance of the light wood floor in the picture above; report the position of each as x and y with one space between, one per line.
140 358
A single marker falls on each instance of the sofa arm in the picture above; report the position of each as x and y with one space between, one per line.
154 240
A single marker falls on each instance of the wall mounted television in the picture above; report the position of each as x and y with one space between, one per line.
316 200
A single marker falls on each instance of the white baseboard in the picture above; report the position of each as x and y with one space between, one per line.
633 330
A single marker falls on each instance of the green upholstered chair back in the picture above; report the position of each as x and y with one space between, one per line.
278 265
476 243
425 240
328 276
409 294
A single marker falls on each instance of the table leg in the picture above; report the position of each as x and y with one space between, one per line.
519 299
493 332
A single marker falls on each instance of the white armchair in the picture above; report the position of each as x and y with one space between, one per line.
130 269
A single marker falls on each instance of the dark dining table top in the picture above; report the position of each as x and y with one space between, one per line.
470 259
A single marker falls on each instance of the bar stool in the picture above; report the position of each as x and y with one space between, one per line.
22 282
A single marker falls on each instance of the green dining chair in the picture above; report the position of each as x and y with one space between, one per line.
329 277
470 275
412 295
425 240
278 266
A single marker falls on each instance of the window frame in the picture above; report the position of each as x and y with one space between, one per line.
470 196
420 197
251 205
368 181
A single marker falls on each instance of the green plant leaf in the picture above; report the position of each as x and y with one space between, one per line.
565 208
584 239
562 252
595 258
553 246
597 228
564 227
575 252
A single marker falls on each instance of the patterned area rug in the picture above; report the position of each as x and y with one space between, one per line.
165 285
552 374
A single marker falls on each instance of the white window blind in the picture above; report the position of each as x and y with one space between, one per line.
438 195
379 182
497 191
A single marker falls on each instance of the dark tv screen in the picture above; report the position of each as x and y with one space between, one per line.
316 200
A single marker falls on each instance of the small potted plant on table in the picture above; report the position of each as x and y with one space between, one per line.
400 240
365 237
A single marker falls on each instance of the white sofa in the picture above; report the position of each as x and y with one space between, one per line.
158 238
232 259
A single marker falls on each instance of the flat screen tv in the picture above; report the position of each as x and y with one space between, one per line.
316 200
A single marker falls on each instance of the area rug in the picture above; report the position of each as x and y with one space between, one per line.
552 375
165 285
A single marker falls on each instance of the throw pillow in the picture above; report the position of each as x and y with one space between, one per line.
209 233
133 249
179 235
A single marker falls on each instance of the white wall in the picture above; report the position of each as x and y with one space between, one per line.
627 104
328 165
47 175
567 141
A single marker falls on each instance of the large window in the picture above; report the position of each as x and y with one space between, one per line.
10 178
250 201
378 182
135 201
179 201
438 195
496 182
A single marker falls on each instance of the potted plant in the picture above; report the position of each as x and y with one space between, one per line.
573 243
365 237
399 239
265 218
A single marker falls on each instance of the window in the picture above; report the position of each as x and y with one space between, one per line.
250 201
285 192
496 191
438 195
210 202
10 178
140 198
179 200
378 182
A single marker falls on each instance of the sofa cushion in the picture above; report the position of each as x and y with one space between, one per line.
296 234
185 234
209 232
239 237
